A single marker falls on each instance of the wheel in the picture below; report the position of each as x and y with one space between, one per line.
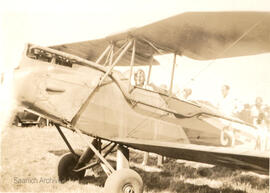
42 123
124 181
65 168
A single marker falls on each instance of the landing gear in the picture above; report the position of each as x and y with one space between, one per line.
124 181
65 168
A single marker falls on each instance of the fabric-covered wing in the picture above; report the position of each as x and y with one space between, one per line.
198 35
237 158
209 35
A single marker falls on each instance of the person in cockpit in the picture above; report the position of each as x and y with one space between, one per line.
139 78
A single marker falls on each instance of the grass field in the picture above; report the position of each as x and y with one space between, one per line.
29 157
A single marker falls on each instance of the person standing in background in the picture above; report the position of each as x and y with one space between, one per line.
259 120
245 114
267 116
225 103
257 112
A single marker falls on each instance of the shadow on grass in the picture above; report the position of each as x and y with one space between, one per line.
165 180
160 181
235 175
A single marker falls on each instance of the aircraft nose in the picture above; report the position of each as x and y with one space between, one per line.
24 85
19 87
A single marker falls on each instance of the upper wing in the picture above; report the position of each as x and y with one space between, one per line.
210 35
92 49
229 157
198 35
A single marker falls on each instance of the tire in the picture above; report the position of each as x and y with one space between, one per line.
124 181
65 166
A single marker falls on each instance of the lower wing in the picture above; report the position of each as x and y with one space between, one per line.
238 158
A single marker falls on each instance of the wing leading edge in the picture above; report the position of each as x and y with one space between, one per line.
198 35
237 158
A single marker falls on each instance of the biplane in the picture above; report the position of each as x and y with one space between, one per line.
76 86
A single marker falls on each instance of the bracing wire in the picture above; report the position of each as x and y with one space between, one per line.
222 53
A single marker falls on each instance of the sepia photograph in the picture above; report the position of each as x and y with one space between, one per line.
135 96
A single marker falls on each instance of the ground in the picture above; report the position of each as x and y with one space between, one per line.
29 157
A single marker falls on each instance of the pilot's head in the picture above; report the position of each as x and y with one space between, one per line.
139 78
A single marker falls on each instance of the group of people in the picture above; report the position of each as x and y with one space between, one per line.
257 114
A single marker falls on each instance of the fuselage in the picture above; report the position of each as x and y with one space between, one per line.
67 90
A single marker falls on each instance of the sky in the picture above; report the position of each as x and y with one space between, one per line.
53 22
